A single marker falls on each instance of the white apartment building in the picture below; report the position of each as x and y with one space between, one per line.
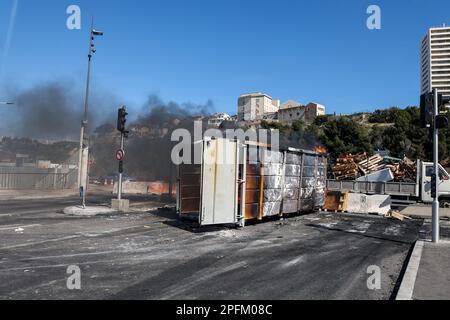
435 61
255 106
217 119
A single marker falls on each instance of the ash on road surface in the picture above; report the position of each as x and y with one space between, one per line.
152 255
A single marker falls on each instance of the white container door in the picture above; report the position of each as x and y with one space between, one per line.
219 182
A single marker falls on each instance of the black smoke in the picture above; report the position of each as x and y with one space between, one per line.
149 147
54 111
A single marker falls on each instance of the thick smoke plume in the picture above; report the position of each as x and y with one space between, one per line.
54 111
148 149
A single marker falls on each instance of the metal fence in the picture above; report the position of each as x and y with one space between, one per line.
24 178
389 188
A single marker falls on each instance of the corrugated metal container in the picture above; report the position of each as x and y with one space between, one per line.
232 186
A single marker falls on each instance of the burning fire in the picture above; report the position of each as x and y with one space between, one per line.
320 150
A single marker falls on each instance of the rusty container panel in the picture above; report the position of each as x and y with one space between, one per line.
251 211
253 182
253 170
252 196
190 189
253 185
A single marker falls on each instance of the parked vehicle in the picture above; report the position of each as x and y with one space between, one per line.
237 182
419 191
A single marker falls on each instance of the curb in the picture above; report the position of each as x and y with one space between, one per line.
409 279
88 211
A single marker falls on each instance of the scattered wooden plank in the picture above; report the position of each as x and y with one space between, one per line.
394 214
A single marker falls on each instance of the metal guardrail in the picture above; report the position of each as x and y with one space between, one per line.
384 188
17 178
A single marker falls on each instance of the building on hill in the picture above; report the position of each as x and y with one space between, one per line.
290 104
314 110
271 117
254 106
293 111
217 119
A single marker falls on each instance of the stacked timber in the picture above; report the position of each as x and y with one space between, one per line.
372 164
351 167
405 171
346 167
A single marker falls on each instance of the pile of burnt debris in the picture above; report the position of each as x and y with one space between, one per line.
362 167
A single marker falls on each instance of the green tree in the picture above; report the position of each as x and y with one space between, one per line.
345 135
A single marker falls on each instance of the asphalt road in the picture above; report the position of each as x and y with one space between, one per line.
152 255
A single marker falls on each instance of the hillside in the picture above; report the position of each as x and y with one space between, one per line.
394 129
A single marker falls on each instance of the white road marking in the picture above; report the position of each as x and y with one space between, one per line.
39 242
13 227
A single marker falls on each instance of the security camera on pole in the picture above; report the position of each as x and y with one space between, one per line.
84 145
431 118
119 203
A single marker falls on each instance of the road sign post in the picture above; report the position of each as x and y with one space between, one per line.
120 156
119 203
436 180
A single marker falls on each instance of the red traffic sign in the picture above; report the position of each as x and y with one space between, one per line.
120 154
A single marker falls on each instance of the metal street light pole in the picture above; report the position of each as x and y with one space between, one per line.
435 215
84 122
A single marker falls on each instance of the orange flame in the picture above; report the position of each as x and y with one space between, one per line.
320 150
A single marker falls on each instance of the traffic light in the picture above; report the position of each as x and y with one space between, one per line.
122 119
442 122
433 186
426 110
121 166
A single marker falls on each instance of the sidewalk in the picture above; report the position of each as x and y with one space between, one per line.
36 194
433 278
424 211
428 273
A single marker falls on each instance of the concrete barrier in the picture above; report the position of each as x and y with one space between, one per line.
157 188
361 203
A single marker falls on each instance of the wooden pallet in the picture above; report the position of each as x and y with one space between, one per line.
336 201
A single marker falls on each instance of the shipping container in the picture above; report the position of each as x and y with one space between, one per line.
237 182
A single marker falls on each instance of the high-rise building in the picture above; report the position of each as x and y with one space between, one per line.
435 60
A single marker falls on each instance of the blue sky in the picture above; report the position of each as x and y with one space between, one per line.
196 50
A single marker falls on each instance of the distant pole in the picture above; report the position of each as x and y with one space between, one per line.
84 122
119 192
86 106
435 215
